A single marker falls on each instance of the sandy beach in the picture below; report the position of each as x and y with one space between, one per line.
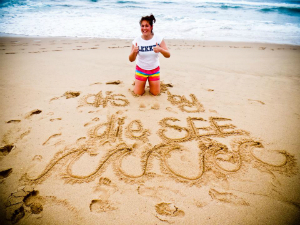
219 145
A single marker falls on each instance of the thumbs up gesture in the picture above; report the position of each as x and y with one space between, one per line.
136 49
157 48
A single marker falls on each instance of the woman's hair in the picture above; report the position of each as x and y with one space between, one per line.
151 19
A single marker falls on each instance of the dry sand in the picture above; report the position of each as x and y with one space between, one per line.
220 145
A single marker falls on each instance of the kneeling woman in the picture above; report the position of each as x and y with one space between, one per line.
145 50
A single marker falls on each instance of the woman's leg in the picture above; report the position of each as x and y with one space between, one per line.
139 87
154 87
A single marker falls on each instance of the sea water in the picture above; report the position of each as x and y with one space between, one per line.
274 21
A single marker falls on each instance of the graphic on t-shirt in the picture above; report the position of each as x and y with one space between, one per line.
146 48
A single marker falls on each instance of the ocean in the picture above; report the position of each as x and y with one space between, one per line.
272 21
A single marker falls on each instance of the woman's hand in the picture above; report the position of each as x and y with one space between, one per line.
157 49
134 52
136 49
163 49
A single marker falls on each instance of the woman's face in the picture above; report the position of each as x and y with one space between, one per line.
145 28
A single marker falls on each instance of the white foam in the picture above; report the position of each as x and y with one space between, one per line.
106 19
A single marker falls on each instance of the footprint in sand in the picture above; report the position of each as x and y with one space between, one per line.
37 111
71 94
37 158
55 119
168 210
117 82
33 201
33 112
5 173
142 106
24 200
25 134
105 188
5 150
68 95
227 197
261 102
156 106
55 98
13 121
104 181
98 206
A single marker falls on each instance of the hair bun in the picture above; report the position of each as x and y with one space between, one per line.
152 18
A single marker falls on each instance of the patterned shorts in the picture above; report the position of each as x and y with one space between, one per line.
143 75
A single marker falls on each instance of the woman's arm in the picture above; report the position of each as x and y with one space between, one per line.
163 49
134 52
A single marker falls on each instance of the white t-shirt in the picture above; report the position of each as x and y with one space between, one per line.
147 59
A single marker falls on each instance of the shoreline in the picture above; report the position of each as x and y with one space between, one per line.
5 36
222 136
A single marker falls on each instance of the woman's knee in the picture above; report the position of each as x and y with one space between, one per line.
139 91
139 87
155 87
155 91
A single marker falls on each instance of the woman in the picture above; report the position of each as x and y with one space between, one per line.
145 50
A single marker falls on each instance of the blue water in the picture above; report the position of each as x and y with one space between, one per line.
274 21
